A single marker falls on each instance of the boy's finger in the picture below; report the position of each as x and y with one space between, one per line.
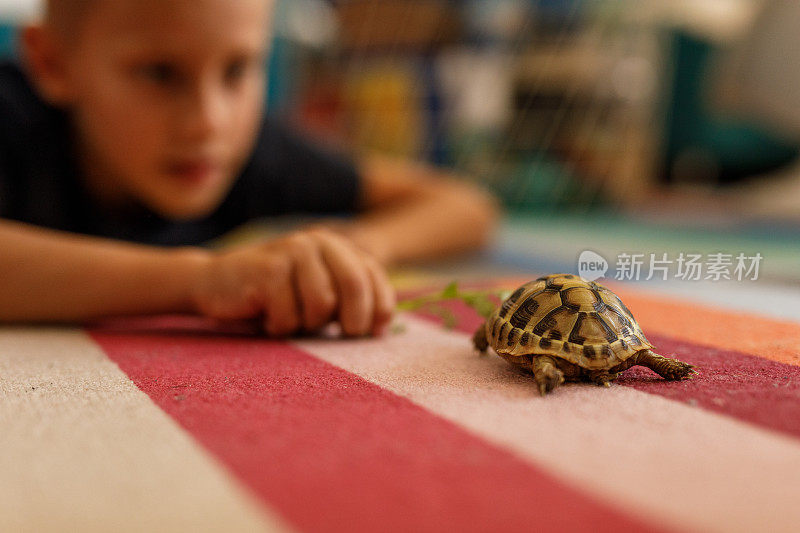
353 284
385 298
317 294
281 308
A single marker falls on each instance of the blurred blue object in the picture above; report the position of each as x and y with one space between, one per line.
280 60
280 82
713 146
8 39
300 28
558 17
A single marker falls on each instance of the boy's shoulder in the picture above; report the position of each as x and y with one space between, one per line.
19 103
33 151
26 121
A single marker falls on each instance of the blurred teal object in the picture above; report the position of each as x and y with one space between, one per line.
541 185
281 57
280 81
734 148
8 39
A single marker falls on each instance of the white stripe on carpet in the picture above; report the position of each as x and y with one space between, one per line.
653 457
83 449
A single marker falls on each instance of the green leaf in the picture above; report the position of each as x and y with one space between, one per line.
485 308
448 317
408 305
451 291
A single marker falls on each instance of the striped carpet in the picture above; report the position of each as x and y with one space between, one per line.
176 424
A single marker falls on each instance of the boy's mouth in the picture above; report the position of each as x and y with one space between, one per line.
194 172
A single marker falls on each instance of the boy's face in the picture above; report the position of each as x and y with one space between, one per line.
167 98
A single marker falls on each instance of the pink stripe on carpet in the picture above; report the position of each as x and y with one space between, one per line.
333 452
746 387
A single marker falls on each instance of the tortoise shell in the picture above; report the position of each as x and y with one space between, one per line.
565 316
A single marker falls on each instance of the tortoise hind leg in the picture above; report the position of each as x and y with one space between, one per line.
602 377
546 373
479 339
665 367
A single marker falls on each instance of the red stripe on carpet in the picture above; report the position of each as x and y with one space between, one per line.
747 387
333 452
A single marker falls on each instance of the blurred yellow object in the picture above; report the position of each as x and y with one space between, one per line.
385 107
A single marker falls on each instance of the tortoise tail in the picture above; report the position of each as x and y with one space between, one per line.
479 339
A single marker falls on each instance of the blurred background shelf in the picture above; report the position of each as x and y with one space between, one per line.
557 105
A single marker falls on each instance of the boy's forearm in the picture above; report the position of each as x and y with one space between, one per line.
435 224
417 212
52 276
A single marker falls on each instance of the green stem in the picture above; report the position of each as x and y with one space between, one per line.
479 300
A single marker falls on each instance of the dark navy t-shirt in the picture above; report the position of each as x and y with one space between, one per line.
39 183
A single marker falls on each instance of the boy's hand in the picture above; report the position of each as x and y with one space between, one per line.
299 282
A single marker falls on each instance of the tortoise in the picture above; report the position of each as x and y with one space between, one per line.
563 327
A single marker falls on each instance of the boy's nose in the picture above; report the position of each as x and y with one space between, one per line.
206 112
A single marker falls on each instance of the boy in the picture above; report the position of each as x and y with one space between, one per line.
153 132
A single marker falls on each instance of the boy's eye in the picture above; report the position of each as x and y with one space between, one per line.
159 73
236 70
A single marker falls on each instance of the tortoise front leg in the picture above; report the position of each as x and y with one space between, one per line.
546 373
665 367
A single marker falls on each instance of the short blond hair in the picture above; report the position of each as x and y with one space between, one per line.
64 15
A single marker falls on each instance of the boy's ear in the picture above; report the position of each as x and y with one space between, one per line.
46 62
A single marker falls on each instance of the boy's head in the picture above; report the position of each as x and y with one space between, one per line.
166 96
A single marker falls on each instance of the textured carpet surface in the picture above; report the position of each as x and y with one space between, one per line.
179 424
